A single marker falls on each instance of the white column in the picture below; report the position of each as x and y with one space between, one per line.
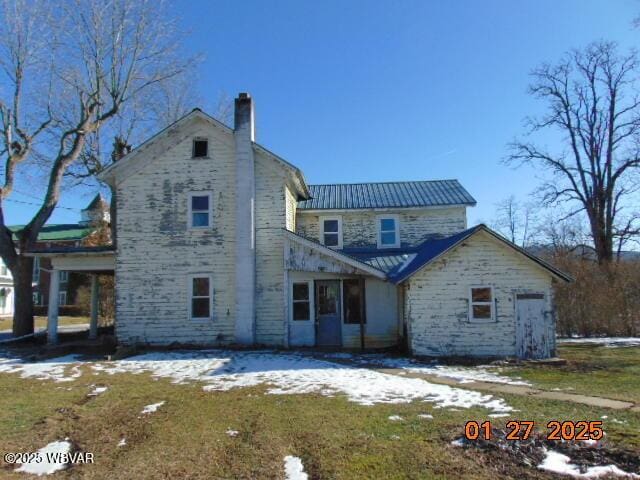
52 312
93 326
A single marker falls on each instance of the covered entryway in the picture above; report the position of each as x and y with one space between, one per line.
532 327
90 260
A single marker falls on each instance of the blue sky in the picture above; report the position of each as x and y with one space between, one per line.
357 91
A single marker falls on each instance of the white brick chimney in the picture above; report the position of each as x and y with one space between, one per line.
244 134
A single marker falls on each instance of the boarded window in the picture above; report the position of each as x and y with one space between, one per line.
200 210
301 309
481 304
353 295
200 297
200 148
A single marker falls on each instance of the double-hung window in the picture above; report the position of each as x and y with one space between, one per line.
36 270
331 231
201 295
200 210
481 304
388 231
64 276
353 301
301 301
62 298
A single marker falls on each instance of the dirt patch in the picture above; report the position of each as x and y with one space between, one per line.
532 452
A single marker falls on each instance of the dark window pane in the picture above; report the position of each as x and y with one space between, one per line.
331 226
200 308
327 300
388 238
201 287
482 311
200 148
387 224
353 292
331 239
200 219
301 291
200 202
301 311
480 294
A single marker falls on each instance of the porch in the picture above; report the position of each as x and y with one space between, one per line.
333 300
94 261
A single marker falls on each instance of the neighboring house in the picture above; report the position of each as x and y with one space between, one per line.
6 291
62 235
220 241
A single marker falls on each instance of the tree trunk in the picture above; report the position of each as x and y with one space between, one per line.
23 296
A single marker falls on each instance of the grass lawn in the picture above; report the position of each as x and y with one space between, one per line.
187 436
41 322
612 372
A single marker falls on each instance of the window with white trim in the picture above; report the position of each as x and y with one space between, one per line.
64 276
62 298
200 297
331 231
36 298
388 231
301 301
481 304
200 210
36 269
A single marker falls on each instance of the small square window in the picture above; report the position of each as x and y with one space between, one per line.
301 302
200 148
388 232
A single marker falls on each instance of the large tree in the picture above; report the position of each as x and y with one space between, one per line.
70 70
592 102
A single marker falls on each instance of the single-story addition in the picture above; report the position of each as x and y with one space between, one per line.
220 241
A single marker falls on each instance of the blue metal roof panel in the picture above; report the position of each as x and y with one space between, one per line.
386 195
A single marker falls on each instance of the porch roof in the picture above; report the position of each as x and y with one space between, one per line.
85 259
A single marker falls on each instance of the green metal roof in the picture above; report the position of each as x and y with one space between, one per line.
64 232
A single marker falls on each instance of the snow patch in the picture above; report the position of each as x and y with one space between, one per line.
425 416
292 373
459 442
48 456
97 391
395 418
122 442
293 468
232 433
52 369
605 341
152 408
558 463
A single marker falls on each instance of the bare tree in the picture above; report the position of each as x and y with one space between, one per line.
69 70
514 219
593 104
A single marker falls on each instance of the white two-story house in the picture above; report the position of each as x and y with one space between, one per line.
220 241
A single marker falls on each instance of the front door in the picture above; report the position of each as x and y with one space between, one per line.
533 330
328 320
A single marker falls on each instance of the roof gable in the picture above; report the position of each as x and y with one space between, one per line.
432 250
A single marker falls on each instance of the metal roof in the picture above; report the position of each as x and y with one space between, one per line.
387 195
59 232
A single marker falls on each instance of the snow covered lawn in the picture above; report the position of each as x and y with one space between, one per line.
605 341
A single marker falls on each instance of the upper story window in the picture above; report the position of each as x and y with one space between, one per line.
200 209
481 304
331 231
388 231
200 148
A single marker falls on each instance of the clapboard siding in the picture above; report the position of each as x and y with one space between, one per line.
437 299
416 225
157 253
270 220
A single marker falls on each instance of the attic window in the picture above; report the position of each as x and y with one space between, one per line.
200 148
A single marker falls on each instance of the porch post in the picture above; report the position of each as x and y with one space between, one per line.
93 326
52 311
